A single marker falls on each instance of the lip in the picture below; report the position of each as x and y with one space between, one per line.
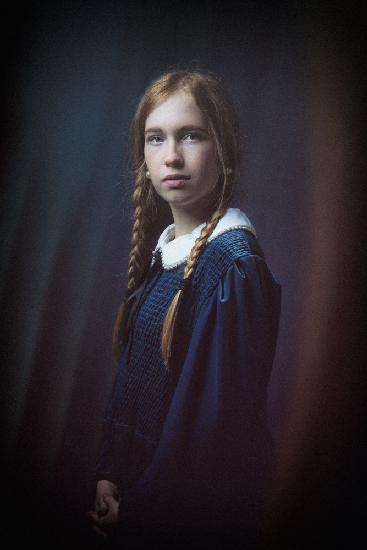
172 177
175 184
176 181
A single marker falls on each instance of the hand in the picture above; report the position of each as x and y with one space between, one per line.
106 507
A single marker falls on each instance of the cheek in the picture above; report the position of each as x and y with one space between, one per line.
153 161
210 167
149 153
207 159
146 157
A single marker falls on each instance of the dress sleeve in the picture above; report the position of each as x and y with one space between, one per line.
215 446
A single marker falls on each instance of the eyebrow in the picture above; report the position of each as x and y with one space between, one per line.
182 129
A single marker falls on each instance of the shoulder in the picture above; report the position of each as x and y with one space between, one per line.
234 243
234 254
223 251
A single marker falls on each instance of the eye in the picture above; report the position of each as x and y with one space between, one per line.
193 136
154 139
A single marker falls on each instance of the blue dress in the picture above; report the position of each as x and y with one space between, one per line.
189 448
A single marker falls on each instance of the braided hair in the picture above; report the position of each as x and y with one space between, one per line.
223 127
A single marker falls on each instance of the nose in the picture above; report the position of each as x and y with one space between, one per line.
173 155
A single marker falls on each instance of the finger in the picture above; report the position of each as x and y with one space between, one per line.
96 518
101 506
112 504
100 532
109 499
97 527
109 507
108 520
93 516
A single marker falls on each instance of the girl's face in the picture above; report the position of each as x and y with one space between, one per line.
179 153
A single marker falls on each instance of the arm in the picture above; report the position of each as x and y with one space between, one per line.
215 433
109 483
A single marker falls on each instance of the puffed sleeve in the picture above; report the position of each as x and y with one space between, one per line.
215 446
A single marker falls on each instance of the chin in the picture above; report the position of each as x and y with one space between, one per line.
181 202
178 198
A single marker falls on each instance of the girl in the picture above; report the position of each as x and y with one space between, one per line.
185 446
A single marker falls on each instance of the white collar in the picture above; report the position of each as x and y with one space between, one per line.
177 251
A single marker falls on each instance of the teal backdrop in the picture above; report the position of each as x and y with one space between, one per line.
73 73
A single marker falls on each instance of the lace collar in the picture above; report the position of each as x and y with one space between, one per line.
177 251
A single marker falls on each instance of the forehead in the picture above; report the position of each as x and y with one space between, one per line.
179 109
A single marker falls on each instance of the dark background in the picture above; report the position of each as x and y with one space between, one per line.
72 75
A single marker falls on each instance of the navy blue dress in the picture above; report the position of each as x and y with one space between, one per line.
189 448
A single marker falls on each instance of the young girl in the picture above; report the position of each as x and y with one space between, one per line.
186 448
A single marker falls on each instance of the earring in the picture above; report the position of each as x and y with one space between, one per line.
229 171
147 174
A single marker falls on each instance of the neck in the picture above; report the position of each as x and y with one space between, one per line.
186 220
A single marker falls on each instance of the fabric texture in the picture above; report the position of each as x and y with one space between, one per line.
189 448
175 251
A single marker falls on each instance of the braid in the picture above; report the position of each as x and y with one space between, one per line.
201 241
170 319
137 256
223 127
138 260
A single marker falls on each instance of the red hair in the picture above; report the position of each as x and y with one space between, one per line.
223 125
